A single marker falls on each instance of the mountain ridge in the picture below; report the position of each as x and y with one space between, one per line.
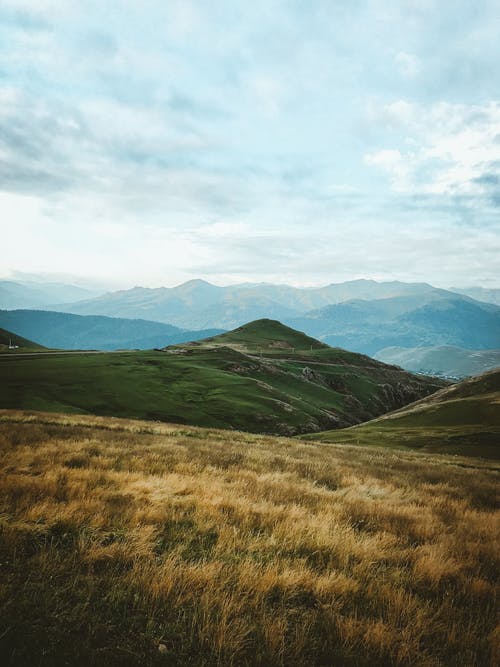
68 331
369 326
363 315
199 304
32 294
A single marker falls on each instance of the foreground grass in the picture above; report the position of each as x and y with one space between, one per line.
134 543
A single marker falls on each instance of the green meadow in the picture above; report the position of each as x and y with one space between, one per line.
268 381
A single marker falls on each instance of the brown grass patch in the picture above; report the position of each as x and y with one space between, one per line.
124 542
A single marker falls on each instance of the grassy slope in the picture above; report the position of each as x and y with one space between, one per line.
462 419
132 543
210 384
23 343
265 335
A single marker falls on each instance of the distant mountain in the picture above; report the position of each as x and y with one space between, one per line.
461 419
360 315
77 332
479 293
439 318
8 338
29 294
263 377
442 360
197 304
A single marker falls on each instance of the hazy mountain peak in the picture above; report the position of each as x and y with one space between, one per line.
196 282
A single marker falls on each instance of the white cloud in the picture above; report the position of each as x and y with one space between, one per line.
159 141
394 163
408 64
446 149
46 7
387 158
269 94
223 229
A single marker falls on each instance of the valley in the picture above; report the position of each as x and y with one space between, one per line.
441 360
463 419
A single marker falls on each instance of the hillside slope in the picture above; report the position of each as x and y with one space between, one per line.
77 332
461 419
263 377
8 337
140 544
491 295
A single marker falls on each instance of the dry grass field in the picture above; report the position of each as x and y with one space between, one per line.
135 543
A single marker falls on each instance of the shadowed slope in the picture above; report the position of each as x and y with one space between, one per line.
7 338
461 419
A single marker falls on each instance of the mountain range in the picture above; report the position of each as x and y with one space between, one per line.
361 315
198 304
78 332
32 294
438 318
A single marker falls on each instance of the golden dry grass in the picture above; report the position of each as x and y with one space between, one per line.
126 542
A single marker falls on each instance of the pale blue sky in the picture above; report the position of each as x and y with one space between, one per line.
304 141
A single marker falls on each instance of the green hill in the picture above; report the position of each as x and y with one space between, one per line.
461 419
7 338
263 377
264 335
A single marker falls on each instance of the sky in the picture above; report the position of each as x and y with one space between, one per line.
302 142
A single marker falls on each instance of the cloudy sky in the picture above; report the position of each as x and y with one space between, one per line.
299 141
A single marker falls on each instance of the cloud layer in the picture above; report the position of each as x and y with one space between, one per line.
283 141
